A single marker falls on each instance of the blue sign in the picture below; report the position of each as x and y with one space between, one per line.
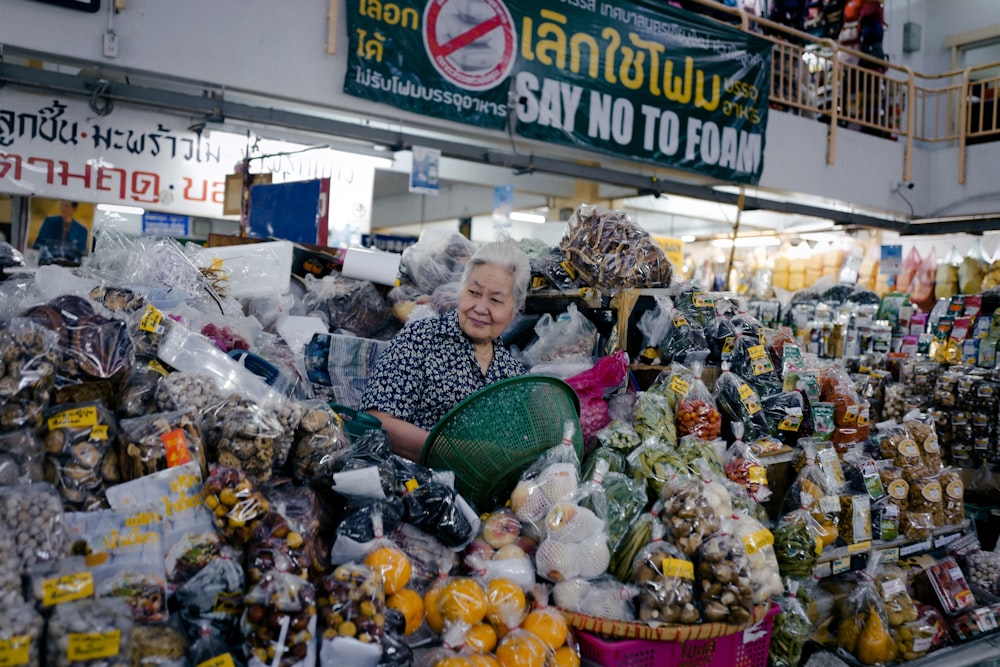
503 205
165 224
892 260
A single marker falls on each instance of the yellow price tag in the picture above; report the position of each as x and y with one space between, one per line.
87 646
411 484
756 351
676 567
151 319
758 540
860 546
78 418
679 386
758 474
14 651
224 660
67 588
99 432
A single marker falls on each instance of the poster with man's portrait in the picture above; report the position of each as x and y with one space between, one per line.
60 230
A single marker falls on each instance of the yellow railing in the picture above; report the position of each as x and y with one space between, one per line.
846 88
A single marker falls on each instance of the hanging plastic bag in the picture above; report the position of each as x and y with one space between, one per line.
922 285
696 412
973 268
593 386
946 275
570 336
745 468
909 270
653 325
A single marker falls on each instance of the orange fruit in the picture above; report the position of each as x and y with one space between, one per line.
565 656
521 649
432 607
463 600
481 638
454 661
393 565
483 660
548 625
505 603
409 602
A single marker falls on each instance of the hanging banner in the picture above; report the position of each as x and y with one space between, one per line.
633 79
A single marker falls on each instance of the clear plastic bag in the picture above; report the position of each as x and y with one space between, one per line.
31 355
346 304
80 461
758 542
653 325
604 597
791 630
159 441
438 257
666 581
744 467
235 503
653 418
684 341
245 435
21 456
751 361
569 336
552 477
279 622
351 616
692 511
739 402
575 542
696 412
610 251
105 622
725 579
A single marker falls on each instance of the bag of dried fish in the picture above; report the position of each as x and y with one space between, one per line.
80 460
29 357
159 441
610 250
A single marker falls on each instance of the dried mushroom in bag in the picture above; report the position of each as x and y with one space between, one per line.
245 435
320 437
80 459
29 357
90 633
279 621
725 587
666 582
692 511
159 441
21 456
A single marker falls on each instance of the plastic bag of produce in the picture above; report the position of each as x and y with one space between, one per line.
653 418
80 458
720 332
666 580
351 610
570 336
438 510
787 416
696 412
615 459
751 361
619 435
744 467
798 544
653 325
75 626
604 597
21 456
758 542
575 539
653 463
864 629
283 602
593 386
692 511
552 477
626 499
684 341
673 382
31 357
792 629
237 505
158 441
725 587
738 402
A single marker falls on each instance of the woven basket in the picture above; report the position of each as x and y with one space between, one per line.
659 632
493 435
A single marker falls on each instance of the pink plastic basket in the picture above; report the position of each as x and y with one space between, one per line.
743 649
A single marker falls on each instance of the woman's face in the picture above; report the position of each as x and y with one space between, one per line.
486 303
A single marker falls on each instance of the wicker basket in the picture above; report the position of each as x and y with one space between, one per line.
493 435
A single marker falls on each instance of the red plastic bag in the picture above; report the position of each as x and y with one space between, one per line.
910 267
592 386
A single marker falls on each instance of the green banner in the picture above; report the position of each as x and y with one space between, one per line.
636 80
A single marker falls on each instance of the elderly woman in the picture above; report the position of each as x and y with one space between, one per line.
434 363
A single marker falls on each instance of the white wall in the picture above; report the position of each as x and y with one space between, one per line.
278 49
938 19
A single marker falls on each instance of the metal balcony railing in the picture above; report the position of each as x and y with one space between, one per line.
851 90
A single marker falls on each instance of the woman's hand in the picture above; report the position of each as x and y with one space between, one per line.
405 439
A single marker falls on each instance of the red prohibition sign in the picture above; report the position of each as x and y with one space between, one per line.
471 43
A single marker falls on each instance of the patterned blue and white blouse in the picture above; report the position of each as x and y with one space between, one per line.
428 368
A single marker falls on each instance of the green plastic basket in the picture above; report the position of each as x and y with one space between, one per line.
493 435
